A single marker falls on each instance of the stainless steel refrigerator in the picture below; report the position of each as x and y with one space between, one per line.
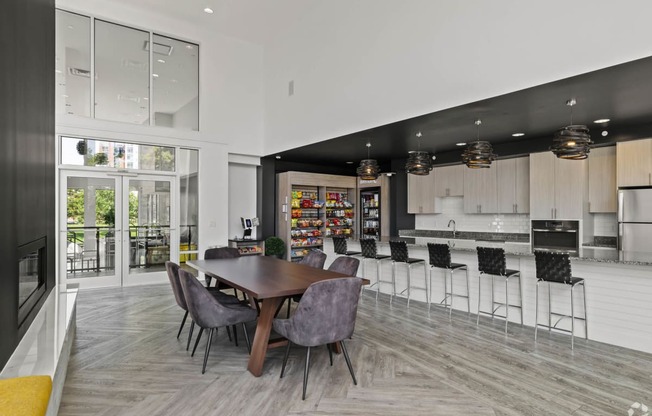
635 220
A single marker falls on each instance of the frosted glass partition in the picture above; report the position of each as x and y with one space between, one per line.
175 81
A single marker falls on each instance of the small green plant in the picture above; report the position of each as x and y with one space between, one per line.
274 246
101 159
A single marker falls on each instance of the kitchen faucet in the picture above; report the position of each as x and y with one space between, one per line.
454 227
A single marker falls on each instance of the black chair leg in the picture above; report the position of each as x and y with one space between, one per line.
208 349
285 359
330 353
228 332
246 337
192 326
182 324
306 369
235 335
348 362
201 331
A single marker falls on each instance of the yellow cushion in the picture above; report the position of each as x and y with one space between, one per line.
25 396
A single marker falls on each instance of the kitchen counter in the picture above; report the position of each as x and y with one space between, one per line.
468 235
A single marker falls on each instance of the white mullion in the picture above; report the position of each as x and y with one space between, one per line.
151 79
92 69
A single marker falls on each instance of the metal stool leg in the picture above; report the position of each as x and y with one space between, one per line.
430 293
425 281
572 319
549 309
477 322
493 310
506 303
520 293
586 325
377 279
450 310
409 284
536 312
468 292
391 298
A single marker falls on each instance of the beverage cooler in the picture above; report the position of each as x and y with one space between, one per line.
370 213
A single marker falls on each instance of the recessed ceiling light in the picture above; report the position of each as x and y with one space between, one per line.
58 71
208 10
602 120
155 75
278 156
162 61
64 95
145 98
605 133
460 144
518 134
189 47
349 163
71 27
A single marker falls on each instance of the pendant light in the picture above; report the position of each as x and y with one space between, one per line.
573 141
479 154
419 161
368 169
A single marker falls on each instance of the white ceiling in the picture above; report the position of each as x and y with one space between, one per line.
256 21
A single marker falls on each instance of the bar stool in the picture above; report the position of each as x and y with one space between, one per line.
339 245
491 262
440 258
369 251
555 268
399 254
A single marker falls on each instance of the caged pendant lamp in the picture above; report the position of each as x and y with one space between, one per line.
419 161
572 142
368 169
479 154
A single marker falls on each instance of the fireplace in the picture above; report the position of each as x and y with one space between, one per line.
32 272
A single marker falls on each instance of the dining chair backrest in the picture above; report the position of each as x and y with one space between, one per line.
316 258
173 274
398 251
221 253
491 260
346 265
553 267
327 312
205 310
339 244
439 255
368 248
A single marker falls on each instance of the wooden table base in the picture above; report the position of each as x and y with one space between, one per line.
261 337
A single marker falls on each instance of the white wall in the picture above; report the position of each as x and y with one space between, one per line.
360 64
242 197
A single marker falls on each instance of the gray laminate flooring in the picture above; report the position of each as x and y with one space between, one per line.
127 361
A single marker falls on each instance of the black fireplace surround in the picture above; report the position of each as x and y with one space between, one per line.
32 273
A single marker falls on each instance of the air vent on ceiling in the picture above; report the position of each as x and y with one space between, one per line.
122 97
79 72
159 48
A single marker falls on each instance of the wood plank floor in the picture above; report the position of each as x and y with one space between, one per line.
127 361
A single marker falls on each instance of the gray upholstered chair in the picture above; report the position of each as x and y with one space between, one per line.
345 265
208 313
219 253
316 258
325 315
173 274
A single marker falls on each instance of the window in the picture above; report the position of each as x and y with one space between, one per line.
189 204
73 64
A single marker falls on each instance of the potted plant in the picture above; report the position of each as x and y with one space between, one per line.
82 147
274 246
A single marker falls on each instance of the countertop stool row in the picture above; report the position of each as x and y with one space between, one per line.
551 268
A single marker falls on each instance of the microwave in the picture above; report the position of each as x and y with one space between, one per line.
551 235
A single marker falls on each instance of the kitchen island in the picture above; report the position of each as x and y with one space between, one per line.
618 287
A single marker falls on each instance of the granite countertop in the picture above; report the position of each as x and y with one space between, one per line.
468 235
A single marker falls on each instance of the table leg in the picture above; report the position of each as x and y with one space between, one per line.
261 338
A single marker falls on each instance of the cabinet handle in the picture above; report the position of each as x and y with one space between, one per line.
589 206
552 213
448 192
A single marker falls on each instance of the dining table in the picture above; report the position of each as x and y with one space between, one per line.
268 281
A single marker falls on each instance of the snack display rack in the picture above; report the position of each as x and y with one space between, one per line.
307 224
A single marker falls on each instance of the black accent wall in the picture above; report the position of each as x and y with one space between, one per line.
27 151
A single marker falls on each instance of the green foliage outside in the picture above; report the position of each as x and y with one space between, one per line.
104 208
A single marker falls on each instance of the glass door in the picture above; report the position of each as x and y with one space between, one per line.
117 229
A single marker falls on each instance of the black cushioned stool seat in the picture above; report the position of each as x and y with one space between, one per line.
339 246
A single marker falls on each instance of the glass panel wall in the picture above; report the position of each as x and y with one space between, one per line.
189 204
175 83
121 73
73 64
89 152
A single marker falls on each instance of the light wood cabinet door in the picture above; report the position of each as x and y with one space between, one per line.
421 194
449 180
603 191
570 188
542 186
480 191
522 197
634 163
513 185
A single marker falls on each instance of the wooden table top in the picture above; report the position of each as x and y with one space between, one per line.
264 277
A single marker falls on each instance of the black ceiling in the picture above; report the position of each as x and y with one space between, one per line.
622 93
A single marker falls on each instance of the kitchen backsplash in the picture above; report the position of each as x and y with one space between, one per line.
453 208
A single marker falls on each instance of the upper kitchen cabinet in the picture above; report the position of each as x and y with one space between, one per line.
513 185
634 163
602 180
480 191
421 194
557 187
449 180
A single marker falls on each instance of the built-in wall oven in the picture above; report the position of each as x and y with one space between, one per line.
549 235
